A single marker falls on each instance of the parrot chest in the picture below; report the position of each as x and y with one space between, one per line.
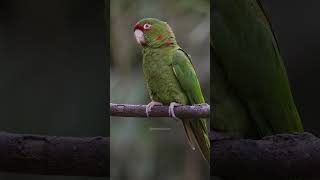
161 81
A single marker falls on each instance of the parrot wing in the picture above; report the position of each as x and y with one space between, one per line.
187 77
250 57
184 71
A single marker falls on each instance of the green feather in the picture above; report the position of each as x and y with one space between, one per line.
253 73
188 80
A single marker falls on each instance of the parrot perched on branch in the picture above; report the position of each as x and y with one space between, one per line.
171 78
251 92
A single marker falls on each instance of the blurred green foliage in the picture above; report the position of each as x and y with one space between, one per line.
137 153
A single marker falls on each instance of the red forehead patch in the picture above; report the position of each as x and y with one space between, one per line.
138 26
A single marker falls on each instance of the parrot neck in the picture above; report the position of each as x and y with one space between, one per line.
168 42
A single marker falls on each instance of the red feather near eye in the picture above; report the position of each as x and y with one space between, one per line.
169 42
159 38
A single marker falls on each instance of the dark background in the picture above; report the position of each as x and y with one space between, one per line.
297 27
53 70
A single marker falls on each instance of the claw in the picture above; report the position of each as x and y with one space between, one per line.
150 106
204 104
171 110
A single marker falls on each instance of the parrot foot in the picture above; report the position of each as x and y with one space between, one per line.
150 106
171 110
204 104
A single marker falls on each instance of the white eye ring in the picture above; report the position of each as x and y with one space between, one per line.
146 26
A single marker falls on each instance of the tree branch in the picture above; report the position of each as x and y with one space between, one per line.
182 111
282 155
53 155
278 156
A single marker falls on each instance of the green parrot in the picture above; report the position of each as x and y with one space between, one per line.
170 77
251 91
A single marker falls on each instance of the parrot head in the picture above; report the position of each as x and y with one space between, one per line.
152 32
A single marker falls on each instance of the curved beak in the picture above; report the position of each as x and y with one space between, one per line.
139 34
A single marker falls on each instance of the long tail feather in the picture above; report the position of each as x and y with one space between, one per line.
190 136
198 134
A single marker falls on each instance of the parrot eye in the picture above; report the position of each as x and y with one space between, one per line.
146 26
